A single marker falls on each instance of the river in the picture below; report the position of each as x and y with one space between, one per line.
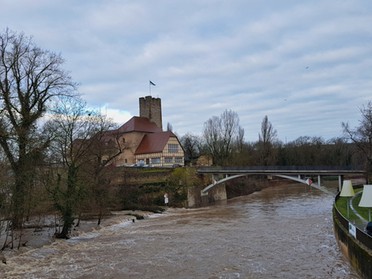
280 232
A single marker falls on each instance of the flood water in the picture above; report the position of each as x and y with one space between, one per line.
281 232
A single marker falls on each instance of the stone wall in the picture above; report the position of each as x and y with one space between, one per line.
216 194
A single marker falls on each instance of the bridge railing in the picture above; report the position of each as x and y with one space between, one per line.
279 168
289 170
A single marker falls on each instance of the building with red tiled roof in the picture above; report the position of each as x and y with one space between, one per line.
139 124
143 142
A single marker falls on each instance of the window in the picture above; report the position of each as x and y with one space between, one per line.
155 160
168 160
179 160
172 148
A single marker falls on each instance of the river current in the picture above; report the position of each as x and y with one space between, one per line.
280 232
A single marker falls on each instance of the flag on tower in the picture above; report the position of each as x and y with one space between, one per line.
151 83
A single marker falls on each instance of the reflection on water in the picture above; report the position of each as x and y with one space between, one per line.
281 232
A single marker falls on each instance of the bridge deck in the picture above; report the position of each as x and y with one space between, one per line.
280 170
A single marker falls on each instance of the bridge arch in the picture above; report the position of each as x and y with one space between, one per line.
215 183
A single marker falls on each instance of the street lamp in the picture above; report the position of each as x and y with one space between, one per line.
347 192
366 200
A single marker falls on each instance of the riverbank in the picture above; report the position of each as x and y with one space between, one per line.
39 232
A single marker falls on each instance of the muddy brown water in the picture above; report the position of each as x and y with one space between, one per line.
280 232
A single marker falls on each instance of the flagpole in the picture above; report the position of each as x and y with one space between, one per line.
151 83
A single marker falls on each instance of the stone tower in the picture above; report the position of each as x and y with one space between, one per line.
151 108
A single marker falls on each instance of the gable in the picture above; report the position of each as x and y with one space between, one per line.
154 143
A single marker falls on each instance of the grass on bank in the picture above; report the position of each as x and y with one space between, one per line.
341 205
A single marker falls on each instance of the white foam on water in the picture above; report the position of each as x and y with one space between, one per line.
156 215
84 236
119 226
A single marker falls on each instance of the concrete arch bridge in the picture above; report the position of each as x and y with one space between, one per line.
298 174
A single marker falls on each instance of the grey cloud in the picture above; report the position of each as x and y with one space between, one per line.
304 64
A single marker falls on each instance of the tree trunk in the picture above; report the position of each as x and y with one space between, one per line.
18 201
68 221
69 202
100 213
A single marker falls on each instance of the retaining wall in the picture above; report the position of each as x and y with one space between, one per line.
216 194
355 244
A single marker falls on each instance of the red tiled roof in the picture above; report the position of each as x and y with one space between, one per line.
139 124
154 143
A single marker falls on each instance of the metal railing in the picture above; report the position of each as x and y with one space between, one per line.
358 233
328 170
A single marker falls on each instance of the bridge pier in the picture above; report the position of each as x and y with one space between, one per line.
340 180
196 198
214 178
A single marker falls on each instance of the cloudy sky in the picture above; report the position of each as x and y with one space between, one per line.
307 65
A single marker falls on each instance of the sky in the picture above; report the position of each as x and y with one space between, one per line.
306 65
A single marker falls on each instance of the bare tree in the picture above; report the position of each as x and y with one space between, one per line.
268 133
242 151
192 146
29 78
240 139
304 151
6 182
361 136
169 127
104 147
266 142
219 134
75 131
338 152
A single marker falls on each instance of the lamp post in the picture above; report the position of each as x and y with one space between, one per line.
348 192
366 200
